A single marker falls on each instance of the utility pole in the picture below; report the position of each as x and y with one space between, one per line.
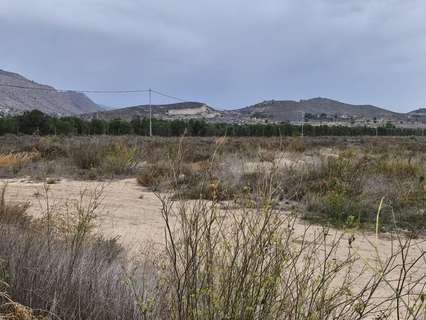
150 113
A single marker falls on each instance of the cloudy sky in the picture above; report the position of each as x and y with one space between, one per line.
228 53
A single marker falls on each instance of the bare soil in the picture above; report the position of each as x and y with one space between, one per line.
133 213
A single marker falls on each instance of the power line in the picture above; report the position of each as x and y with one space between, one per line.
168 96
149 91
95 91
112 91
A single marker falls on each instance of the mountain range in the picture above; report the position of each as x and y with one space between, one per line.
15 97
317 109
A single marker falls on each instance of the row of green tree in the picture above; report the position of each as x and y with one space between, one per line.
36 122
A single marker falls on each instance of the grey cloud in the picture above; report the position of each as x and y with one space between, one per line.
226 53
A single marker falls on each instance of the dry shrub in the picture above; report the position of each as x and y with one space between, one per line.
297 145
13 214
250 264
244 263
59 265
51 148
99 157
267 155
120 159
214 190
16 311
399 168
87 154
152 175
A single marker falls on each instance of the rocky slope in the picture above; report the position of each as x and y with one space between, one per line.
15 98
183 110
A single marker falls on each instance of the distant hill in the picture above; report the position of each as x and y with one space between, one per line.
167 111
14 99
288 110
273 110
421 112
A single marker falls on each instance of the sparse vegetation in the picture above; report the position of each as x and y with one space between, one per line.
57 265
237 255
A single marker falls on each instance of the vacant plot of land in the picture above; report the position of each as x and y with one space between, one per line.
133 214
312 203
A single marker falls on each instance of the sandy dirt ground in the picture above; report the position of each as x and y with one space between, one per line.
133 214
127 210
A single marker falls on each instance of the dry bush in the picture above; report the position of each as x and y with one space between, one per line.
267 155
344 190
13 214
10 310
51 148
250 264
96 157
120 159
152 175
75 281
59 265
87 154
297 145
399 168
219 262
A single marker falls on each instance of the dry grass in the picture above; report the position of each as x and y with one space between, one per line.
57 264
15 311
17 160
244 262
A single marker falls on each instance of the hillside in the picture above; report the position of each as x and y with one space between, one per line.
421 111
14 99
293 110
273 110
181 110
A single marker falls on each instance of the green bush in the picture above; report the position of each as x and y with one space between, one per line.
120 159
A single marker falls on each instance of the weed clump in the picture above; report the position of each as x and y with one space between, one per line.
120 159
16 161
13 214
88 154
152 175
58 266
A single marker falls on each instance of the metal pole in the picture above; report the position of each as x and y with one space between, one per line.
150 114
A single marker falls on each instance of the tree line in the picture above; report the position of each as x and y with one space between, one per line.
37 123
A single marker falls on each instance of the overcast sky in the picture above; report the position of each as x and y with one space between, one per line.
227 53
